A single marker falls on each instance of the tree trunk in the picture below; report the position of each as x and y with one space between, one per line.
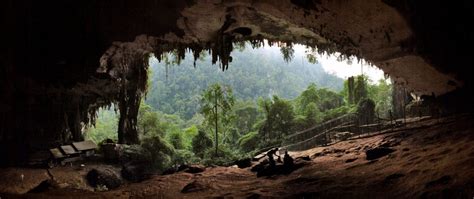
350 88
215 111
127 126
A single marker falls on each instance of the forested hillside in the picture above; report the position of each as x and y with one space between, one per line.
253 73
198 113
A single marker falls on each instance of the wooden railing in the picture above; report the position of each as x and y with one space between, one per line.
317 129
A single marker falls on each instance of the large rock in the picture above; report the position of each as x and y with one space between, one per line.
103 177
135 171
378 152
195 168
110 152
244 163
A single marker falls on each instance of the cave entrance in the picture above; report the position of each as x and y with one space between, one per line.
287 79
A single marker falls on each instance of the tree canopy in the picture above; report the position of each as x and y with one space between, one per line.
217 103
253 105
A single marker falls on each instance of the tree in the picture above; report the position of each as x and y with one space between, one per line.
360 88
246 115
252 73
279 119
310 95
200 143
249 141
381 93
217 102
148 120
282 115
350 89
311 114
176 139
328 99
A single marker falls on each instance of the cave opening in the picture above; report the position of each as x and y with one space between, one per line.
62 62
171 111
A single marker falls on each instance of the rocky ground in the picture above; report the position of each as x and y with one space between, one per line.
432 158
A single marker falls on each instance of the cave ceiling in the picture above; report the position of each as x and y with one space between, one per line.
376 31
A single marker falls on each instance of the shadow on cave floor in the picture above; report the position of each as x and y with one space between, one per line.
433 160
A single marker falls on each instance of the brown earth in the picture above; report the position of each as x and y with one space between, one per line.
433 158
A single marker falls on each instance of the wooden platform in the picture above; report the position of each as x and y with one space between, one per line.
84 145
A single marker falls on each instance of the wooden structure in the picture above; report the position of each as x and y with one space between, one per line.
74 152
87 148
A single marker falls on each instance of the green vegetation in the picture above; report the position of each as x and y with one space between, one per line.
188 117
253 73
277 122
105 127
217 102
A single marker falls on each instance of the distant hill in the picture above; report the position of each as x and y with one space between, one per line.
253 73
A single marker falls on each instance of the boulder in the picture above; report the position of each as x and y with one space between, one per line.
135 171
182 167
244 163
103 177
378 152
110 152
185 168
169 171
195 168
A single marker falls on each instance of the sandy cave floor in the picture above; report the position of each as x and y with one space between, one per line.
433 158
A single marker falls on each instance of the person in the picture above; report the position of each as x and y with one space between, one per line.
270 157
287 160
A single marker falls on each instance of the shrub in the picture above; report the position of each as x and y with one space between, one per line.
200 143
183 156
157 151
337 112
176 139
133 153
226 156
249 141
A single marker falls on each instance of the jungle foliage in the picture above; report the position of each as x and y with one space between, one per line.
202 115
